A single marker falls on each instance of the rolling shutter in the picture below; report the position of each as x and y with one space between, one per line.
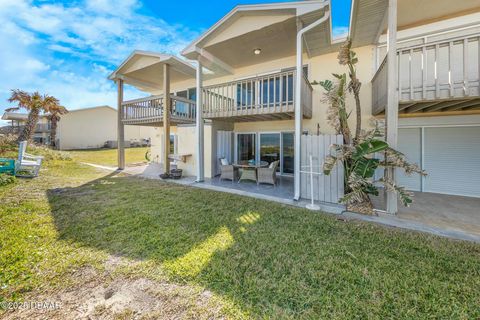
452 160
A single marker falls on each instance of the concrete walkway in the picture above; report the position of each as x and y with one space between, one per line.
447 216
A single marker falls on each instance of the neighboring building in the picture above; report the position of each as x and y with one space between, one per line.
17 123
256 91
92 127
86 128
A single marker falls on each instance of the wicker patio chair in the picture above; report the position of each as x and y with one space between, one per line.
268 175
228 171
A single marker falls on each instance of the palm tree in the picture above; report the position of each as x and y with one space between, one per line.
54 113
34 103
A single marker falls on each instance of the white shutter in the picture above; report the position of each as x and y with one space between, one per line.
410 144
452 160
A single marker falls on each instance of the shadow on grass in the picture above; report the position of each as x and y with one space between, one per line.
269 260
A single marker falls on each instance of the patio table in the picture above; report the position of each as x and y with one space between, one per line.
249 169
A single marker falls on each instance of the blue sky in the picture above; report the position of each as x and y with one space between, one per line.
68 48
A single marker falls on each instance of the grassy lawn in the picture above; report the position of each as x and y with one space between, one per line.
254 259
108 157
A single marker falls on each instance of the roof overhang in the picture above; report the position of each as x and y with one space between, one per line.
144 70
369 17
230 42
10 115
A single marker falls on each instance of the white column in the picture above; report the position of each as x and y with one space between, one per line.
120 127
391 113
298 114
166 117
200 166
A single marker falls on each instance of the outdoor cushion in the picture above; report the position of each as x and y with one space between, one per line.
224 162
272 165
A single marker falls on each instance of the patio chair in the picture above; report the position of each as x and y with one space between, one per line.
27 165
228 171
268 175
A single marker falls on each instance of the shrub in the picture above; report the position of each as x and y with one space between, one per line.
6 179
8 146
49 154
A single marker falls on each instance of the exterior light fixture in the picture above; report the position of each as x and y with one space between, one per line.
257 51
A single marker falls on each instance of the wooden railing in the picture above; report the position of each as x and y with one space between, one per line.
269 97
150 110
441 70
272 94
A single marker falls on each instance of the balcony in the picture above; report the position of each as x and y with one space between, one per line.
39 128
149 111
434 77
268 97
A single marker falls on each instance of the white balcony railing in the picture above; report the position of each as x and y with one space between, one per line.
150 110
263 97
436 71
268 97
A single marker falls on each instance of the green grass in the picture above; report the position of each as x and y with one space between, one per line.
260 259
108 157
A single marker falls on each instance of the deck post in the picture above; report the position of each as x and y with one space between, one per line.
391 113
120 127
199 126
166 117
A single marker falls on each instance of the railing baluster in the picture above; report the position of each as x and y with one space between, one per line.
450 68
424 72
437 80
465 67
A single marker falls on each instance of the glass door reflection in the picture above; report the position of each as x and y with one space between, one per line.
270 147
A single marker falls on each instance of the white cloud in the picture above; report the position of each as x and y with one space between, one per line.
340 32
68 50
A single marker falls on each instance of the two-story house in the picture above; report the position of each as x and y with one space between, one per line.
244 90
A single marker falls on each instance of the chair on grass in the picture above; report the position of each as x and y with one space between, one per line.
27 165
228 171
268 175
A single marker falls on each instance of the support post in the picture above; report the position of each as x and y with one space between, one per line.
120 127
199 126
166 117
391 113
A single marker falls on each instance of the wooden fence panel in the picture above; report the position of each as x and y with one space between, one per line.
326 188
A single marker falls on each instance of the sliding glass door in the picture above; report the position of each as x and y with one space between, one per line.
246 146
270 147
287 152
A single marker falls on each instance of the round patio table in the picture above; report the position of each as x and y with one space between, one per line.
249 169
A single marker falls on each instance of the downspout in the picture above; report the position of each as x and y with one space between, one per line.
298 101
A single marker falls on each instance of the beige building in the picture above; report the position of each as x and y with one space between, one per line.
18 120
92 127
255 66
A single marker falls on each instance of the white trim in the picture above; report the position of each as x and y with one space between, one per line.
300 7
425 35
